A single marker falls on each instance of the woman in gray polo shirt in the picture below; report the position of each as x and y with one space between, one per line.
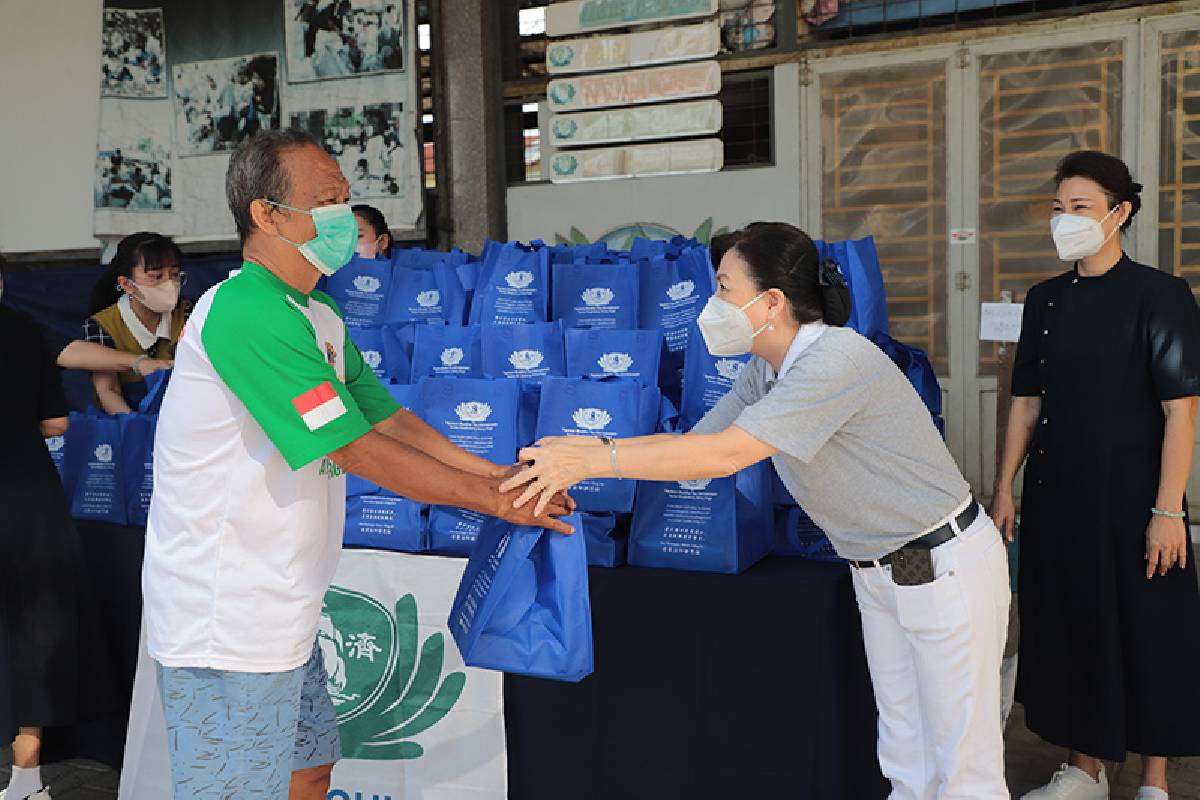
858 450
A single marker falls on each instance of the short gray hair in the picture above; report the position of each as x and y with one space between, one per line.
256 171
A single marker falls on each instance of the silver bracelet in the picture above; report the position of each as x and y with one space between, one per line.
134 366
1158 512
612 454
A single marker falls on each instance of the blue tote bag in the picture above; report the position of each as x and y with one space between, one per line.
479 416
57 447
601 354
92 468
596 295
369 342
398 342
432 294
859 263
385 522
137 464
605 548
797 535
527 351
405 395
706 379
447 351
523 606
513 286
712 525
361 290
617 408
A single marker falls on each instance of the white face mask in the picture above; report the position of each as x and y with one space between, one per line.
726 328
161 298
1076 236
369 248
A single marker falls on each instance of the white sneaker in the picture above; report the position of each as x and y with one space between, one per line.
1071 783
40 794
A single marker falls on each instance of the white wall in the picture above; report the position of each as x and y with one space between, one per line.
49 107
732 198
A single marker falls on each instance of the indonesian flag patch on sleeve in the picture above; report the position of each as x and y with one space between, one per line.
319 406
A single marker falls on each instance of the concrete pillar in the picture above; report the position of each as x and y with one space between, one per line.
468 123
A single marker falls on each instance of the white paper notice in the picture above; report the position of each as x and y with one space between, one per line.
1000 322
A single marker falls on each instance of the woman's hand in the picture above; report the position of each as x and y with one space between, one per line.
1004 513
1166 545
552 469
504 473
587 441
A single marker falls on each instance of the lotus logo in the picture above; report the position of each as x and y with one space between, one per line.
696 485
519 280
600 296
562 93
565 164
565 128
452 356
526 359
386 685
367 283
681 290
561 55
728 368
104 453
429 299
373 358
615 362
55 443
591 419
473 411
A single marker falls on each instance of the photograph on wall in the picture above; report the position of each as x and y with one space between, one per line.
344 38
133 60
221 102
136 177
367 141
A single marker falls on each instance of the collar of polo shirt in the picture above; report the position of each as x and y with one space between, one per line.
145 337
804 339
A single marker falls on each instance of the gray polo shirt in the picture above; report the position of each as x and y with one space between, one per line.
857 447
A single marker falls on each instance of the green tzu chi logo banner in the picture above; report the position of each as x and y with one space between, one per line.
387 684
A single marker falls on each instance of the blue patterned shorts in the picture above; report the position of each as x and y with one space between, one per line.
242 734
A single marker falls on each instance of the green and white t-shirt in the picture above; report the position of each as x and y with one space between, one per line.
246 522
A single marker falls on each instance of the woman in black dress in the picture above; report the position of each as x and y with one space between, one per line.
41 570
1105 387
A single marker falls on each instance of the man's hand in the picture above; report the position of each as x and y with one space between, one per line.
557 507
504 473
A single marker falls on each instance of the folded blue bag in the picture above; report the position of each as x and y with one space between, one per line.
91 468
513 286
479 416
798 536
616 408
385 522
596 295
614 354
361 290
603 548
370 343
859 263
426 294
523 606
711 525
137 464
447 351
706 379
526 351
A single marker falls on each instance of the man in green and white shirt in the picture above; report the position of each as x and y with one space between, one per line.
269 406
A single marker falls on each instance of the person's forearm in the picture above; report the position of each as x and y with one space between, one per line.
1022 419
409 429
411 473
112 402
666 457
1179 437
94 357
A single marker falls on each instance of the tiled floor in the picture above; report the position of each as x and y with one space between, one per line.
1030 763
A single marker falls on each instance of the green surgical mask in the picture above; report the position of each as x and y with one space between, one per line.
337 235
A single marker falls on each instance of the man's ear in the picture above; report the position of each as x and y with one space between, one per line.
263 215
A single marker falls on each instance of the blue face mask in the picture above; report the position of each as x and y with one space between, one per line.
337 236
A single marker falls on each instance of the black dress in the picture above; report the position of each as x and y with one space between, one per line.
1108 658
50 667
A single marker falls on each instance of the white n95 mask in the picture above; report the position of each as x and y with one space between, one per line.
1076 236
726 328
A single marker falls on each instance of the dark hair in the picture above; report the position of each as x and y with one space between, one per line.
781 256
375 219
1109 172
256 171
144 249
719 245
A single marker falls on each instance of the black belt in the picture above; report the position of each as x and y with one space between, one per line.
928 541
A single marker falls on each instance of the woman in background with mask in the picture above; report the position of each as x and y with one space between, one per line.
374 238
135 308
856 447
1105 386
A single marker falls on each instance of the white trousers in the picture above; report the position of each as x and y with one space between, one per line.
934 653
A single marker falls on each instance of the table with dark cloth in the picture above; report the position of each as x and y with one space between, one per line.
706 686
